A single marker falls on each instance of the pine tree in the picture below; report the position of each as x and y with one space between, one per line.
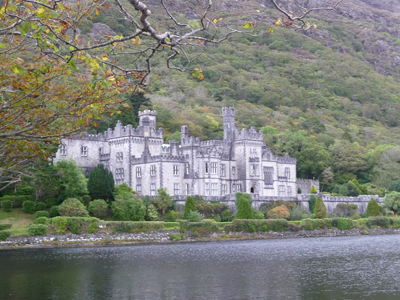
244 209
189 206
313 190
101 183
320 209
373 208
311 203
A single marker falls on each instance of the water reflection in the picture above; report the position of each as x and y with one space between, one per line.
365 267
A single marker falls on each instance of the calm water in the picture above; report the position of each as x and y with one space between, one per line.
365 267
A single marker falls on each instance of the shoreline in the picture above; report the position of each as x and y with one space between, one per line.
163 237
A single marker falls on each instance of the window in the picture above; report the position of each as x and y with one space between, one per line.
268 175
238 187
176 170
101 151
153 170
214 189
223 189
207 189
139 188
152 189
120 156
176 189
214 168
223 170
119 175
106 165
253 152
206 168
281 190
138 172
287 172
289 191
186 189
84 151
63 150
187 168
253 169
233 171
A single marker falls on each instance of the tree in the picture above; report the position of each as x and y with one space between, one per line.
320 209
244 210
128 208
151 214
239 195
72 208
279 212
373 208
98 208
72 180
189 206
394 186
327 178
101 183
313 190
392 202
163 201
311 203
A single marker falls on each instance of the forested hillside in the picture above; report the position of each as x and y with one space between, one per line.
329 96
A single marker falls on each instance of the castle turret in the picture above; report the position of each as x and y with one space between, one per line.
184 133
148 117
228 116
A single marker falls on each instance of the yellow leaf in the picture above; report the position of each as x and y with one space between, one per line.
15 70
215 21
105 58
271 30
40 11
279 22
136 41
248 25
315 26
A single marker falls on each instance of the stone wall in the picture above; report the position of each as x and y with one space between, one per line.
306 184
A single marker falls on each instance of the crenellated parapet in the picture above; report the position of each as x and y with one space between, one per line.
89 137
286 159
158 158
190 141
251 134
228 112
147 112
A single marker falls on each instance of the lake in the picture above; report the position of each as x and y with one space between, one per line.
362 267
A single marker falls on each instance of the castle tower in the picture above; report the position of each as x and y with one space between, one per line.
148 117
184 133
228 116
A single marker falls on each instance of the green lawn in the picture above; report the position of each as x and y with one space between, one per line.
19 220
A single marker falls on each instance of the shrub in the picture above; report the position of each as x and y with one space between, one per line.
203 226
17 200
383 222
194 216
75 224
279 212
72 208
4 235
244 209
307 224
98 208
271 224
258 215
392 201
313 190
345 210
189 206
373 208
344 223
297 213
140 226
41 206
6 205
311 203
54 211
163 201
171 216
5 226
176 237
28 207
264 228
51 202
41 213
37 229
251 228
42 220
151 213
171 224
320 209
227 216
294 226
60 223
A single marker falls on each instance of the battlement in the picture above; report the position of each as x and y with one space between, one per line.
228 112
251 134
286 159
190 141
89 137
147 112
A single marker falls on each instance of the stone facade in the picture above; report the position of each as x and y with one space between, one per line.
214 169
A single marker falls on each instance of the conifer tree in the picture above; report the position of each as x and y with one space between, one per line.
373 208
313 190
311 203
320 209
189 206
101 183
244 209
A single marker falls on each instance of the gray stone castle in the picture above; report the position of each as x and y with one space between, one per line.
213 169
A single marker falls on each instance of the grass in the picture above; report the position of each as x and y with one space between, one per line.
19 220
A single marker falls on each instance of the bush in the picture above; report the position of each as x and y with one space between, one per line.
6 205
5 226
41 213
41 206
37 229
171 216
176 237
54 211
17 200
75 224
264 228
373 208
320 209
42 220
28 207
189 206
203 226
383 222
51 202
171 224
60 223
279 212
244 209
141 226
313 190
227 216
392 201
194 216
128 208
258 215
297 213
271 224
307 224
4 235
345 210
311 203
98 208
72 208
344 223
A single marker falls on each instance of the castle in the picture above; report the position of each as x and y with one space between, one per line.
214 169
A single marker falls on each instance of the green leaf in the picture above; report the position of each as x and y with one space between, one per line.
72 64
25 26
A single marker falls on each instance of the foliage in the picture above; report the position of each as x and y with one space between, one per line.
240 195
258 215
297 213
76 225
151 213
311 203
42 220
176 237
171 216
72 208
194 216
28 207
40 206
320 209
98 208
372 208
101 183
244 210
41 213
394 186
163 201
243 225
54 211
227 215
5 226
17 200
72 179
123 226
279 212
344 224
60 224
4 234
128 209
189 206
313 190
6 205
37 229
345 210
392 202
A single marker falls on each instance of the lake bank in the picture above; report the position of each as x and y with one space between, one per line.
164 237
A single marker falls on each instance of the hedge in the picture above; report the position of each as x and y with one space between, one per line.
259 225
383 222
76 225
129 226
171 224
4 235
6 205
345 223
17 200
5 226
37 229
54 211
41 206
28 207
41 213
